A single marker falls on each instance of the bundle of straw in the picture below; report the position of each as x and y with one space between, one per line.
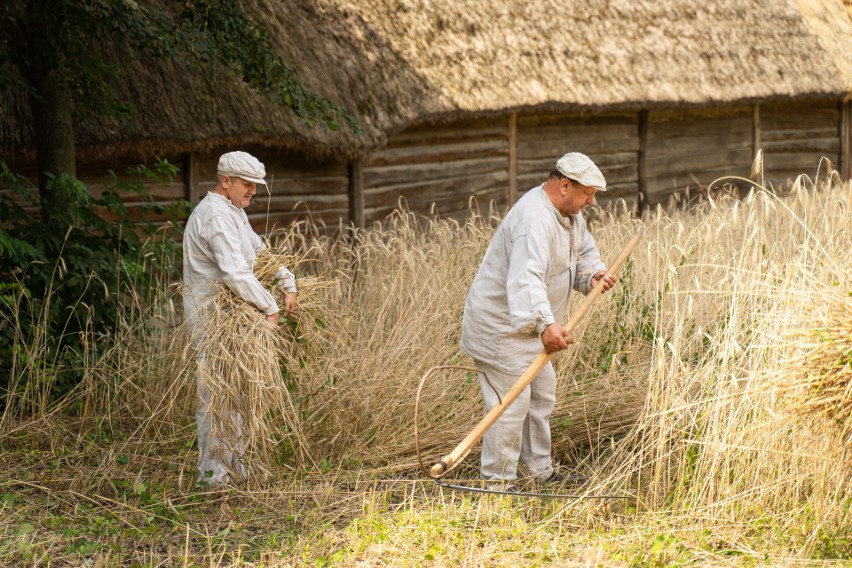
823 372
246 374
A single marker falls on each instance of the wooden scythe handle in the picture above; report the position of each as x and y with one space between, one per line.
453 458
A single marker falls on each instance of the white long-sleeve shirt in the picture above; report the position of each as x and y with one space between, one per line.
524 281
219 245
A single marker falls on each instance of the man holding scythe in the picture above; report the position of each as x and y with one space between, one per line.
539 253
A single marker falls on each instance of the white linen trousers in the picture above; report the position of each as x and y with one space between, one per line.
523 431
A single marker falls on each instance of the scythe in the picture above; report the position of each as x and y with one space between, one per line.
455 457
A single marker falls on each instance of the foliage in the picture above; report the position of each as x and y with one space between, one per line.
73 274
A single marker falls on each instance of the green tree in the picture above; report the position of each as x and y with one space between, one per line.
57 50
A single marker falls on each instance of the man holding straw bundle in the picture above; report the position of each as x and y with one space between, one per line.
539 253
219 246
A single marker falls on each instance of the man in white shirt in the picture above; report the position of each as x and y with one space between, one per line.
219 245
539 253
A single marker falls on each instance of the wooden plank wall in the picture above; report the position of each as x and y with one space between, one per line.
687 151
442 167
96 176
612 141
796 137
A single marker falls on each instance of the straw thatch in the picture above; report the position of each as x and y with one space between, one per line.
398 63
825 19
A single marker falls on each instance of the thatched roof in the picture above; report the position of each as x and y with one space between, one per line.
553 55
397 63
825 20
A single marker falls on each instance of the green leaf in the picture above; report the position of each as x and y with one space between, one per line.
25 528
10 499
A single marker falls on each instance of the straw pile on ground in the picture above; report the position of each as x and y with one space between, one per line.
247 367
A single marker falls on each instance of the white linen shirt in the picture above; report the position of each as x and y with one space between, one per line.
531 265
219 245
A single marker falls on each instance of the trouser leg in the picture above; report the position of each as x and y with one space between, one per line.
535 442
210 466
501 444
219 459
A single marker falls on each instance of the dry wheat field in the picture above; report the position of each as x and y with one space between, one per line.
708 398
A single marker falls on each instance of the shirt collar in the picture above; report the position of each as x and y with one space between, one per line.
220 196
566 222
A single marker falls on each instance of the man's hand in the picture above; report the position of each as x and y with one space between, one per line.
273 319
609 281
556 338
289 303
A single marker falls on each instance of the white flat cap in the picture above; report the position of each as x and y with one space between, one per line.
582 169
242 165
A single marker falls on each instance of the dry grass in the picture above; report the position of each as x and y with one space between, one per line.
711 384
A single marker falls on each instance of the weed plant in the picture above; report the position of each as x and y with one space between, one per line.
70 278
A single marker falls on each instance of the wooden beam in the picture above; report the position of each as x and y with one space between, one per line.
846 140
756 143
643 198
513 158
190 178
757 166
356 193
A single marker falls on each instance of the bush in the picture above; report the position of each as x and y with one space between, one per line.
64 276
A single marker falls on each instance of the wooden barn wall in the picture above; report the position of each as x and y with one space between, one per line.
795 137
446 168
300 190
611 140
96 176
440 167
687 151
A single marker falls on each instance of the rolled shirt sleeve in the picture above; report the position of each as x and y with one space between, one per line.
286 279
588 259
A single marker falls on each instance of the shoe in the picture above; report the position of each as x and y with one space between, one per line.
570 478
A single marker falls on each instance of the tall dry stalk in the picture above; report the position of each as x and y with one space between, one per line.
709 383
733 286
